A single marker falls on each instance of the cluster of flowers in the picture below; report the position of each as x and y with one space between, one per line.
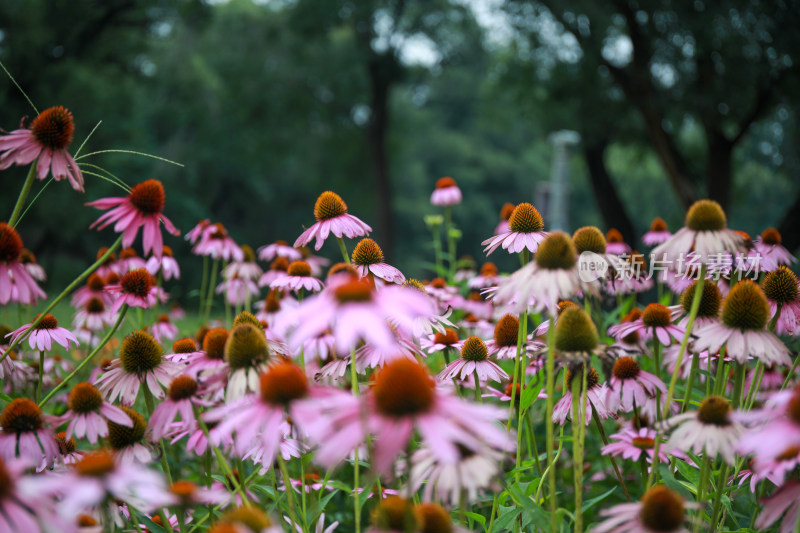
441 388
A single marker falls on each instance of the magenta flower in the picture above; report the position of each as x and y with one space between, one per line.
48 138
595 400
237 290
368 259
712 429
525 231
166 264
26 504
615 244
768 244
656 321
782 289
784 502
217 244
279 249
504 343
136 289
199 231
446 192
46 332
631 386
16 283
182 396
332 217
94 316
658 233
632 444
660 510
474 360
140 209
298 277
24 435
87 414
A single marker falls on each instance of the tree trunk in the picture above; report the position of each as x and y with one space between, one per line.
380 88
605 193
719 169
789 226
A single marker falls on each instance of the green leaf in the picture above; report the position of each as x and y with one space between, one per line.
529 394
479 518
506 517
589 503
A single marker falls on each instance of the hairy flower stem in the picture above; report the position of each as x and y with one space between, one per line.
287 482
451 242
41 374
687 397
354 387
203 287
85 274
578 412
63 383
702 485
23 195
521 356
210 293
551 458
343 248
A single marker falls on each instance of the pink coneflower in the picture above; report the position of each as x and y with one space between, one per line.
705 232
246 354
23 433
279 249
297 278
595 399
212 358
196 233
93 289
505 215
782 289
631 443
631 274
140 361
87 414
270 307
140 209
474 360
550 278
94 316
441 341
777 426
742 330
784 502
656 321
402 398
277 269
332 218
353 311
707 311
246 519
446 192
128 260
472 474
488 277
368 259
163 328
246 268
439 289
504 343
657 234
768 244
525 231
166 264
630 387
182 396
217 244
36 270
136 289
16 283
26 504
615 244
184 351
238 290
128 441
711 429
45 334
659 511
47 139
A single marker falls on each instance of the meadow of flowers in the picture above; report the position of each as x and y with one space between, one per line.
312 386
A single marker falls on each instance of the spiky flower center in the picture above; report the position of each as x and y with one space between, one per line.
706 215
282 384
710 299
592 378
403 387
506 210
54 127
414 284
272 303
715 411
488 270
167 251
432 518
137 282
355 290
184 490
95 283
474 349
249 253
95 305
746 307
506 330
626 368
394 514
182 388
780 285
575 331
112 278
510 389
367 252
589 239
643 443
771 236
448 338
556 251
245 317
95 464
613 235
128 253
662 509
789 453
658 224
120 436
148 197
280 264
299 268
84 521
185 345
438 283
84 398
65 445
140 353
48 322
246 347
214 343
656 316
254 519
21 416
10 243
445 182
525 219
329 205
565 304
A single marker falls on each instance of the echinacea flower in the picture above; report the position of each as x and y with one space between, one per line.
246 353
87 414
474 359
135 289
768 244
705 233
446 340
504 343
488 277
505 214
595 399
237 290
182 396
164 329
247 519
784 502
777 426
656 321
615 244
45 334
197 232
27 258
446 192
166 264
298 277
142 208
472 474
394 514
140 361
711 429
129 260
217 244
332 218
279 249
742 330
782 289
16 283
47 139
23 433
659 511
93 289
630 387
657 234
707 310
525 232
184 350
127 441
368 259
25 503
632 443
94 316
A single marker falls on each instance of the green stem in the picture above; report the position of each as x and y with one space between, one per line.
23 195
551 471
437 249
343 249
210 293
611 457
521 356
477 388
63 383
203 287
86 273
150 403
41 373
657 355
578 413
287 482
354 387
223 463
687 397
702 484
451 242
